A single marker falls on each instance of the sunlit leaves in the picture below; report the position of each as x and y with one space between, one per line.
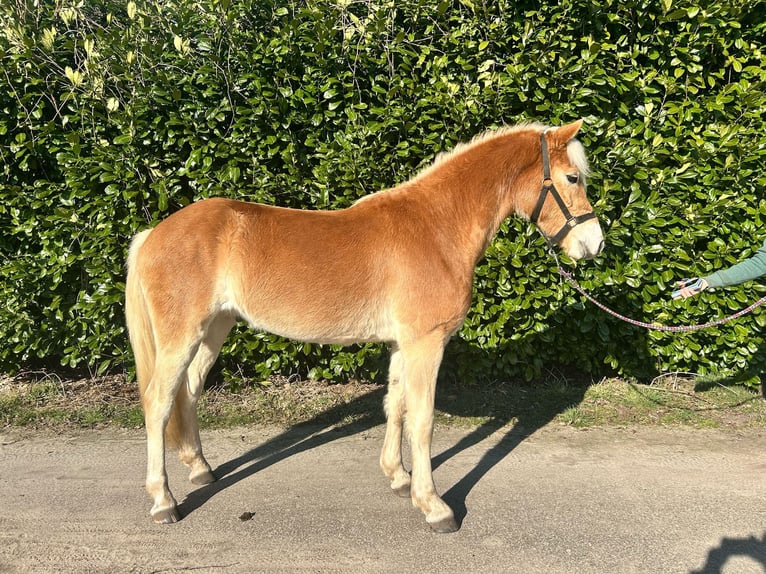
114 117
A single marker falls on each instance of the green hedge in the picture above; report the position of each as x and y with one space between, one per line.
115 114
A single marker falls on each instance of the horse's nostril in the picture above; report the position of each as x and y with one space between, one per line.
600 246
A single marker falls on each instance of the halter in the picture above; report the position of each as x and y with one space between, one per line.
549 187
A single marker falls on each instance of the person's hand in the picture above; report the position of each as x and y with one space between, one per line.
688 287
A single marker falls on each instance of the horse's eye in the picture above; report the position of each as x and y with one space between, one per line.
573 178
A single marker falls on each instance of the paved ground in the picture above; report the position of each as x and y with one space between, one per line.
559 501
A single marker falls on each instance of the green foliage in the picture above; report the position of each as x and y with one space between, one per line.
115 114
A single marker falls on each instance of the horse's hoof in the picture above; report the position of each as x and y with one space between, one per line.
203 478
402 491
167 516
444 526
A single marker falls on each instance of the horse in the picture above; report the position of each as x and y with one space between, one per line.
395 267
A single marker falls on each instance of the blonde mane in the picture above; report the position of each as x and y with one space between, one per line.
460 148
576 153
479 139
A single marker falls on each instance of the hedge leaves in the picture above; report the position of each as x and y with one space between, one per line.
115 114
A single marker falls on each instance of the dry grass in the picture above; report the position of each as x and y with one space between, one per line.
37 399
44 399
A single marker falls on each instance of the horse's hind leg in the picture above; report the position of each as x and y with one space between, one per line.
158 401
189 443
391 455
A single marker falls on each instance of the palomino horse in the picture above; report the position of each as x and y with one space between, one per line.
396 267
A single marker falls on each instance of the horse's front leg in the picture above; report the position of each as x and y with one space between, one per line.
421 365
391 455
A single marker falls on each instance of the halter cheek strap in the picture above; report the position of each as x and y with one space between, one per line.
549 187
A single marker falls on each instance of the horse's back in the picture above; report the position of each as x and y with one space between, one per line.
340 276
311 275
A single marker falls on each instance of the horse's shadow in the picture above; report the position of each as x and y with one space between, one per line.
529 409
456 496
525 419
366 412
320 430
750 547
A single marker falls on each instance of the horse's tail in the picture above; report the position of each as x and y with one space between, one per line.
138 320
141 331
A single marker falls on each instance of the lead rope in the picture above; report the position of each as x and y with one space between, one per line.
653 326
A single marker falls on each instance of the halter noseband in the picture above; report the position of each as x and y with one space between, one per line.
549 187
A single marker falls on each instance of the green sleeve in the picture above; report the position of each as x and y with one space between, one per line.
751 268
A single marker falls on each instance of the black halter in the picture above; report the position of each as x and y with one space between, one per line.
549 187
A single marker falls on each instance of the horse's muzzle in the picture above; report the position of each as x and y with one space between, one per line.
585 241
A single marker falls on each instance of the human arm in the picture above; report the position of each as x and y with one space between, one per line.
751 268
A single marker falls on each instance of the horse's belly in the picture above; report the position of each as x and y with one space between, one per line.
316 323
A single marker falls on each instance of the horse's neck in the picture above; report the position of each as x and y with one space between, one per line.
469 198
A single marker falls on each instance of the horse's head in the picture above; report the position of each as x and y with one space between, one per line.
562 210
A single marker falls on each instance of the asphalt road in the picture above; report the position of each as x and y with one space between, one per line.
559 501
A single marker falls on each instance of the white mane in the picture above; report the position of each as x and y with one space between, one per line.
576 153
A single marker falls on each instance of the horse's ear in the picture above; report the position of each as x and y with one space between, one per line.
567 132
